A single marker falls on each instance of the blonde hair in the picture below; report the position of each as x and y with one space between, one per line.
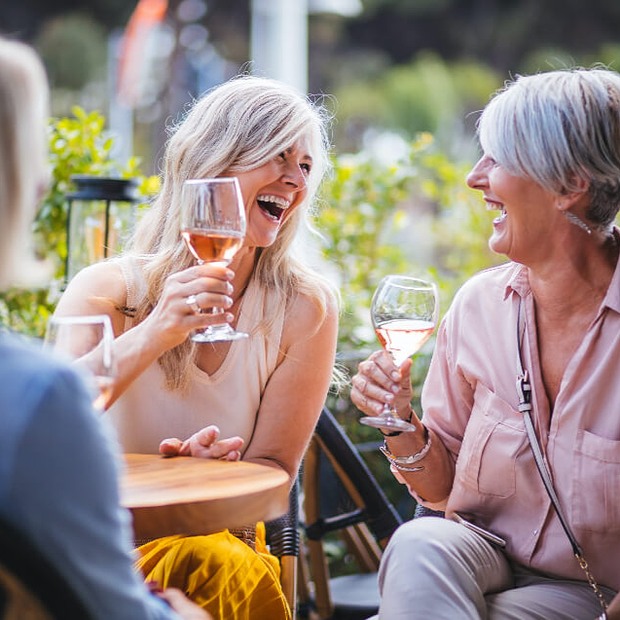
238 126
23 172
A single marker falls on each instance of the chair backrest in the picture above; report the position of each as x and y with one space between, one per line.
283 539
372 505
30 585
364 517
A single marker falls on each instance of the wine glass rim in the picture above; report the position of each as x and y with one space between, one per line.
82 319
408 280
86 319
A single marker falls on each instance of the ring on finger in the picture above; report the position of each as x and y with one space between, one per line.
192 302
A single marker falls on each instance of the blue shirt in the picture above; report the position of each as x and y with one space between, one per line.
59 483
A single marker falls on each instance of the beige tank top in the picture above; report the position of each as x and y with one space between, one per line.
148 412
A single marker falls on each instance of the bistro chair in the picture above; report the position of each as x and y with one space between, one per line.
358 510
283 540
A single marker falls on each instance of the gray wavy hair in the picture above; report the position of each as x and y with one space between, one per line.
559 128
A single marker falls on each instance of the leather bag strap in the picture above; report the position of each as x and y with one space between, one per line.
524 392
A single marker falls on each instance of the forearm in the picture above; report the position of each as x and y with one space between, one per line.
431 473
613 612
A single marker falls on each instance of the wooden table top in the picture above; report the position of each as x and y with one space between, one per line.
185 495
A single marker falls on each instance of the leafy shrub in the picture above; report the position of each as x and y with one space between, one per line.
414 216
77 145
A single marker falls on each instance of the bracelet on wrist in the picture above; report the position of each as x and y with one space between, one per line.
403 463
396 433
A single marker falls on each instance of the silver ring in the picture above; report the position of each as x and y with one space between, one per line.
192 302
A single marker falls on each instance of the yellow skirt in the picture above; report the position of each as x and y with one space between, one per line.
220 573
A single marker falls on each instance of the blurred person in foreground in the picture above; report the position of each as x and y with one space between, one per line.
256 399
58 473
551 168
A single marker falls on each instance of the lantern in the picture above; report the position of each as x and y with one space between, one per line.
100 214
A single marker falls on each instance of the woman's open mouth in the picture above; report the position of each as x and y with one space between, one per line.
273 206
501 217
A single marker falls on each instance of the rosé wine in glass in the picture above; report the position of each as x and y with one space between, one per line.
404 313
213 227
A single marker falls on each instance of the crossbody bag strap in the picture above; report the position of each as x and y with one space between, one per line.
524 392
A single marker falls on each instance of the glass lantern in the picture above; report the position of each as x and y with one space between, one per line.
100 214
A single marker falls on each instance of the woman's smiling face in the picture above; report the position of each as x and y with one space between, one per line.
528 213
272 191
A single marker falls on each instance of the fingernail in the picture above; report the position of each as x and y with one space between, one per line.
395 375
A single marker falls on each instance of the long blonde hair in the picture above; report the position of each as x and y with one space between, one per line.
23 168
238 126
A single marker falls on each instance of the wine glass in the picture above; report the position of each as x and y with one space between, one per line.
86 341
404 314
213 227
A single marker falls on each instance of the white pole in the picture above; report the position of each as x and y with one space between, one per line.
279 41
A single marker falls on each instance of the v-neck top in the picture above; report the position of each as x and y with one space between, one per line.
148 411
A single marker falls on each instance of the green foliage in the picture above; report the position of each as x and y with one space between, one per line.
427 94
414 216
363 205
77 145
74 48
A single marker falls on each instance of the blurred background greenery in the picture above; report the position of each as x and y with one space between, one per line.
403 80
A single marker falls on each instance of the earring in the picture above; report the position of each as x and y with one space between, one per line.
577 221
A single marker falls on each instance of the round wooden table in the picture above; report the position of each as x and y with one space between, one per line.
185 495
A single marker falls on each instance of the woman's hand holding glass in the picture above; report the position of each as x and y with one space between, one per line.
404 314
87 341
172 320
379 381
213 226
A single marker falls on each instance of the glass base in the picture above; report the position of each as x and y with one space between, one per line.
388 422
218 333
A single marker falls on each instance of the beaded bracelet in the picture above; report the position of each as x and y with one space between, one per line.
402 462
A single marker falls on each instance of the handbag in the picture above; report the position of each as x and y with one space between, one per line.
524 392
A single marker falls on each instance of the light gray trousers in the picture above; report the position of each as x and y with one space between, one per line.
435 569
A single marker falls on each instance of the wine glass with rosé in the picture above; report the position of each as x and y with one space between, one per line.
87 342
404 313
213 227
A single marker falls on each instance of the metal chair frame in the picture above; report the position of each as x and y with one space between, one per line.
366 529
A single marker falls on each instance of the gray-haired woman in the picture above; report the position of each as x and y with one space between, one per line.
551 168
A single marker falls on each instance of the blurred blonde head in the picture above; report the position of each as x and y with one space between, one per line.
23 155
